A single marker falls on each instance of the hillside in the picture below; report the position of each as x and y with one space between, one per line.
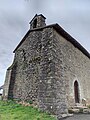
10 110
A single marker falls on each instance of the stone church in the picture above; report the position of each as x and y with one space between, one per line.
50 67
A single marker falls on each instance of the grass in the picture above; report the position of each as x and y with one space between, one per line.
9 110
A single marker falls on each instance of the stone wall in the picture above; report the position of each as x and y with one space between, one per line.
34 73
27 58
75 66
44 70
6 85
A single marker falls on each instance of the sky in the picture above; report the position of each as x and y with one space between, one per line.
15 15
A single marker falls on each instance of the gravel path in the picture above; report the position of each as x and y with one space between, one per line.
79 117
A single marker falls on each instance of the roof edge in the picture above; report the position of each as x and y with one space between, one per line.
71 39
31 30
36 16
62 32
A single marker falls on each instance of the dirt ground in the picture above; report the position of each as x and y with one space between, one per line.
79 117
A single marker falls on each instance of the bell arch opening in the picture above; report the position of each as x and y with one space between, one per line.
35 23
76 92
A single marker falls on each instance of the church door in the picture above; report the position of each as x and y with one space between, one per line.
76 92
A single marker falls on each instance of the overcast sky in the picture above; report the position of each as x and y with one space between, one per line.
72 15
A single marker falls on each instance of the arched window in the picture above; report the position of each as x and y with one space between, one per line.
76 92
35 23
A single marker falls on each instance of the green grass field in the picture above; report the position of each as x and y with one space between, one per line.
10 110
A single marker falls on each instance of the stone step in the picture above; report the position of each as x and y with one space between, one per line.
80 107
79 110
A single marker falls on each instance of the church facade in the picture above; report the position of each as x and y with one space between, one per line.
50 67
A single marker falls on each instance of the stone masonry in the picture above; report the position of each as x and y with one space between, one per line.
47 62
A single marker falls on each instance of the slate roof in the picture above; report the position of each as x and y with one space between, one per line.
63 33
36 16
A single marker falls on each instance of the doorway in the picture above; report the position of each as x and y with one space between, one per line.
76 92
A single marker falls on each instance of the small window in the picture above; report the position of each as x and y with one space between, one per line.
35 23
